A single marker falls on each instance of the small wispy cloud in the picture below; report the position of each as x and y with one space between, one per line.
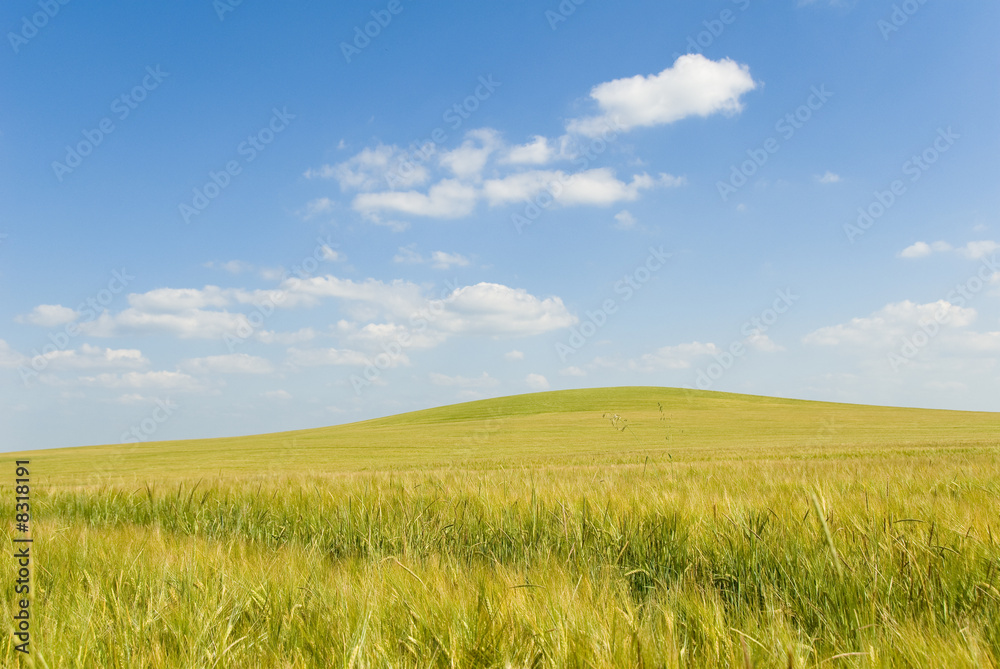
483 381
624 220
537 382
923 249
437 259
232 266
321 205
276 395
975 250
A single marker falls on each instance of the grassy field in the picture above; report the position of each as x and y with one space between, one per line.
628 527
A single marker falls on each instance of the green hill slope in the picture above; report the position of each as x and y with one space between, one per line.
723 531
564 427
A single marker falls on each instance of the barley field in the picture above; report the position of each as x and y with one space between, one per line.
623 527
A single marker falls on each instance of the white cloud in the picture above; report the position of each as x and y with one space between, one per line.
321 205
598 187
187 312
483 381
283 395
93 357
9 357
442 260
889 324
519 187
438 259
388 177
514 355
537 382
923 249
135 398
377 218
916 250
490 308
214 313
232 266
763 343
681 356
400 298
829 178
48 316
380 336
692 86
332 356
408 254
392 182
273 273
162 380
483 308
469 159
180 299
286 338
979 341
536 152
624 220
375 168
670 181
975 250
980 249
189 324
331 255
446 199
572 371
235 363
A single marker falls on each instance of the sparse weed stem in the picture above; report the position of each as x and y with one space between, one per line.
619 423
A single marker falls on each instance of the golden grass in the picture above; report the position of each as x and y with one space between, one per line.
725 530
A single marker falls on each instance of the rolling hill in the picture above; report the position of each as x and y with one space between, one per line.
568 427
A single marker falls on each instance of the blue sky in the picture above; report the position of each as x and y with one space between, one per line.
222 219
